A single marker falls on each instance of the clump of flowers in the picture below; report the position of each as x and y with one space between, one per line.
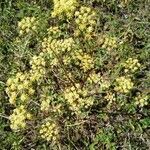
123 84
141 100
19 88
78 98
27 25
54 32
19 117
87 62
131 65
45 102
110 97
104 84
49 131
46 44
99 82
64 8
84 60
37 67
55 47
93 78
85 20
107 42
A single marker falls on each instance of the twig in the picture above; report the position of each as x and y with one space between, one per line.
1 115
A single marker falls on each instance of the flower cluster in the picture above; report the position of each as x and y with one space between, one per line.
85 20
54 32
123 84
46 44
110 97
55 47
93 78
67 59
45 102
51 102
107 42
27 24
19 117
141 100
87 62
64 8
78 98
58 48
101 82
104 84
84 60
19 88
37 67
49 131
131 65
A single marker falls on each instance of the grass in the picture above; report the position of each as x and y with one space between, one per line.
120 125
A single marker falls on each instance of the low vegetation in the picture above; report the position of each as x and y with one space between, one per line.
74 75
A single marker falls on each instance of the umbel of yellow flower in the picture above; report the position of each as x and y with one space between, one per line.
49 131
27 24
141 100
123 85
85 20
37 67
107 42
19 117
131 65
64 8
45 103
54 32
19 88
85 61
93 78
77 98
56 47
97 82
110 97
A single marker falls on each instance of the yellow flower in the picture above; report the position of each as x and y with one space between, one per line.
18 118
131 65
86 21
107 42
123 84
77 98
24 97
20 87
141 100
13 87
64 7
49 131
31 91
27 24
